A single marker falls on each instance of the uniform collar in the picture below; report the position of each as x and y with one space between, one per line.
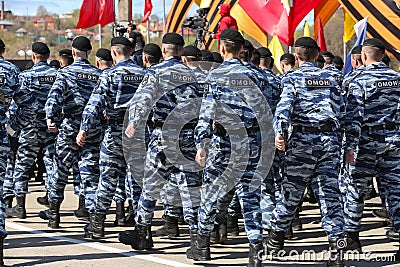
40 63
124 61
230 61
376 65
309 64
174 58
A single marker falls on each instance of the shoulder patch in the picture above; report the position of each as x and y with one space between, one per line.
387 84
2 79
86 76
47 79
318 83
240 82
182 78
132 78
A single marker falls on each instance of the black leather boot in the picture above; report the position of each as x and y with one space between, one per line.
336 257
81 213
193 234
138 239
353 241
43 200
296 223
18 210
255 255
130 215
275 242
119 214
8 201
54 215
232 225
214 236
201 248
170 227
95 228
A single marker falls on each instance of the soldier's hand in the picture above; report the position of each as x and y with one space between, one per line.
51 125
81 138
201 157
280 142
130 131
350 156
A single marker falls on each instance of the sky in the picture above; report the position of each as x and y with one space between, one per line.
23 7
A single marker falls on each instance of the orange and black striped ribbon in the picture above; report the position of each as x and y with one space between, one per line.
383 20
177 15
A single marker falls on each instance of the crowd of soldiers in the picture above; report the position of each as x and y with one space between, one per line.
134 126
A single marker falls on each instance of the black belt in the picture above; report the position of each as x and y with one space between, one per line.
390 127
311 129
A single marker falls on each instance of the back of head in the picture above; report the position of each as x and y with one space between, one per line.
288 59
121 46
255 57
338 62
306 49
2 47
207 56
66 58
137 40
217 57
172 44
247 51
191 53
41 51
232 41
373 50
82 46
153 53
55 64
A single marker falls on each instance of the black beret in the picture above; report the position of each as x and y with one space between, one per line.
191 51
2 45
320 59
104 54
40 48
248 46
152 50
81 43
65 52
120 40
207 55
173 38
287 56
374 42
306 42
338 60
356 50
232 35
217 57
55 64
327 54
264 52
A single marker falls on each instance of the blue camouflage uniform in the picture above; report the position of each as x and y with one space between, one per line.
38 80
169 86
336 74
71 91
372 124
311 102
115 89
26 113
235 86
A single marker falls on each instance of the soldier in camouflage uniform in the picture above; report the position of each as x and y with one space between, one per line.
329 66
25 114
71 91
115 89
38 80
372 124
234 86
311 102
170 92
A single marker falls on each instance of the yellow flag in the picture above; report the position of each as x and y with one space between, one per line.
277 51
348 26
203 3
307 32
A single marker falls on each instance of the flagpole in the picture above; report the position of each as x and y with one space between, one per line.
101 39
164 23
344 50
148 31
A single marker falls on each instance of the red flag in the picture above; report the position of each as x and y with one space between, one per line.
321 36
276 17
95 12
106 14
148 7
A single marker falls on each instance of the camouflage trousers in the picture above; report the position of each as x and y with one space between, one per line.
216 185
67 152
31 140
379 156
5 149
314 158
159 172
113 169
8 187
